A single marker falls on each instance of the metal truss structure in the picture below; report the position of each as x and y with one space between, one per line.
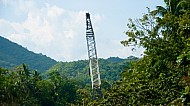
92 54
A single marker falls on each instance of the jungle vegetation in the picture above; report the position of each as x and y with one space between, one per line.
160 77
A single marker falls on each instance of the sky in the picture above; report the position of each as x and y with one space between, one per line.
57 28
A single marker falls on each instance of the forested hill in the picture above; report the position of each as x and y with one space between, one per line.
12 54
110 68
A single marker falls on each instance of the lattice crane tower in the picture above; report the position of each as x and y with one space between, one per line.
92 54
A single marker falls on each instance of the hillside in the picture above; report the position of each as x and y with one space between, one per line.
12 54
110 69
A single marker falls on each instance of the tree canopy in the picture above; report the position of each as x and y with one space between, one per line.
156 78
22 86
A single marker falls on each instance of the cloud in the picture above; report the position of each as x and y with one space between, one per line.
54 11
6 28
4 2
50 30
60 33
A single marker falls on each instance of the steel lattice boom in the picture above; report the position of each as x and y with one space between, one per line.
92 53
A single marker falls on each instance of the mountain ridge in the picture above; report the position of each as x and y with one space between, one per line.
110 69
13 54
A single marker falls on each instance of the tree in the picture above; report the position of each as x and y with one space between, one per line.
64 91
18 86
22 86
175 7
153 80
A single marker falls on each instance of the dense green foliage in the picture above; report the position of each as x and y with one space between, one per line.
110 69
12 54
161 77
22 86
66 83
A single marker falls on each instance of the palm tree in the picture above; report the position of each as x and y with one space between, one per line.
176 7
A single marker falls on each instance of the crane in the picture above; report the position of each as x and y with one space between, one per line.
93 59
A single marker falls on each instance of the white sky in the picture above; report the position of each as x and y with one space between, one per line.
56 28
